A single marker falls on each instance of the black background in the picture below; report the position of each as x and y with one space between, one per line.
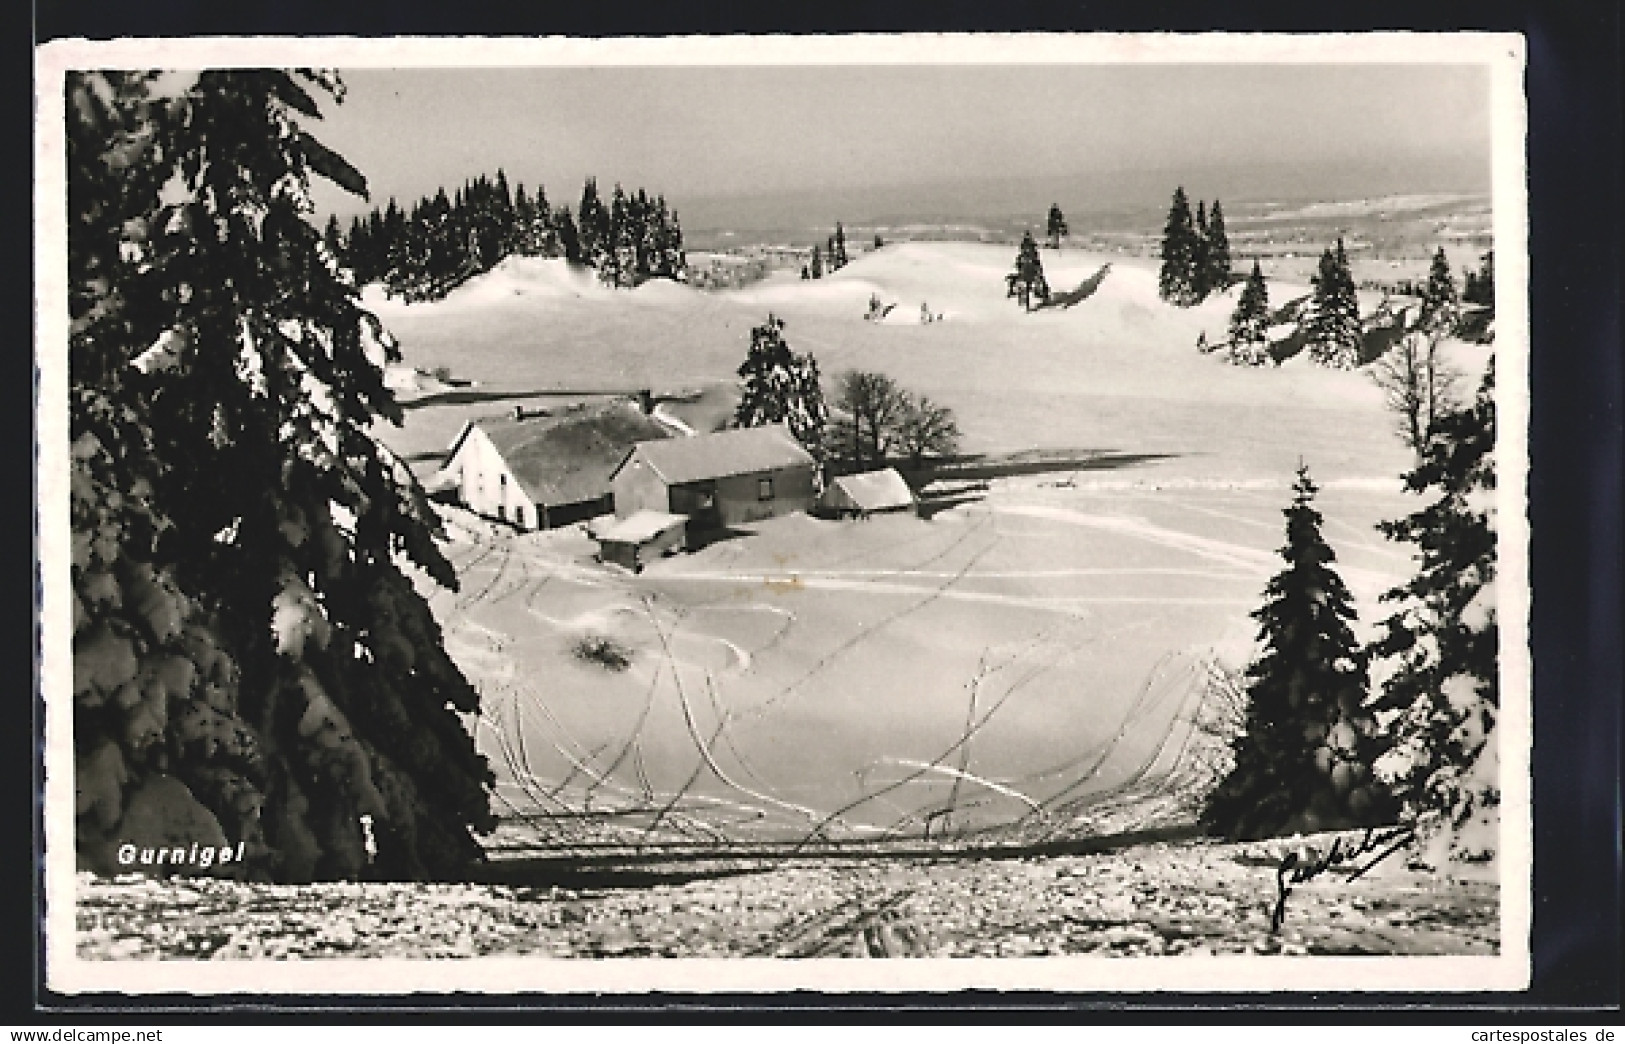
1576 180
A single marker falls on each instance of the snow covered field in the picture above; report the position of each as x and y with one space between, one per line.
998 667
1157 900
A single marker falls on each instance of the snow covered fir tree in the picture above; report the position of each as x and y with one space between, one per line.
1441 644
1332 322
779 386
1441 304
251 660
1026 282
1214 273
1304 759
1176 279
1249 323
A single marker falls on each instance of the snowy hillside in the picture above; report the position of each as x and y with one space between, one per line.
1119 370
1063 612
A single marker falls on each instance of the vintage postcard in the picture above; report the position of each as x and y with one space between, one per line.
535 516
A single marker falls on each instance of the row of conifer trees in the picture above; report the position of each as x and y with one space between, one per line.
1331 325
832 258
441 241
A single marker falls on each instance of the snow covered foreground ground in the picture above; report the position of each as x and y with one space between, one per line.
1169 899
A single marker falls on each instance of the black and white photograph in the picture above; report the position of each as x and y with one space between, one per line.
695 514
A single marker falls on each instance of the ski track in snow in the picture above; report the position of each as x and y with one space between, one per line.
1073 605
1249 559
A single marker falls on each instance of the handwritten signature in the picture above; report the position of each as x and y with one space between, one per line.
1298 869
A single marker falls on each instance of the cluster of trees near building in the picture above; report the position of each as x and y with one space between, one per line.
423 253
874 420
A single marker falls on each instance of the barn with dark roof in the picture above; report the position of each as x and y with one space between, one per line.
721 479
541 472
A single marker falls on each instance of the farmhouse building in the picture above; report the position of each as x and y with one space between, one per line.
721 479
541 472
866 493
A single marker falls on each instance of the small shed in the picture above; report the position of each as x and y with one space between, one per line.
864 494
631 542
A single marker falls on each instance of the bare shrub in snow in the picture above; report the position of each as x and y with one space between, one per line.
603 650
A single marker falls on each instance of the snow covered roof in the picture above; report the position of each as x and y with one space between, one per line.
639 527
869 491
570 459
740 451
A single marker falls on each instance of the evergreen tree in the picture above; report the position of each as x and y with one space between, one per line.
1026 283
1200 270
569 236
1332 325
879 242
333 237
1056 227
1303 762
1443 640
618 262
816 264
781 387
839 250
532 232
1176 282
1480 286
540 236
389 245
593 226
1249 323
357 250
1216 251
1441 305
250 662
673 258
642 236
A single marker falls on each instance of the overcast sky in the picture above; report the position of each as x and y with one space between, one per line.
695 132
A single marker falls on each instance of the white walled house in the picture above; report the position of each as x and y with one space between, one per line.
484 482
539 471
